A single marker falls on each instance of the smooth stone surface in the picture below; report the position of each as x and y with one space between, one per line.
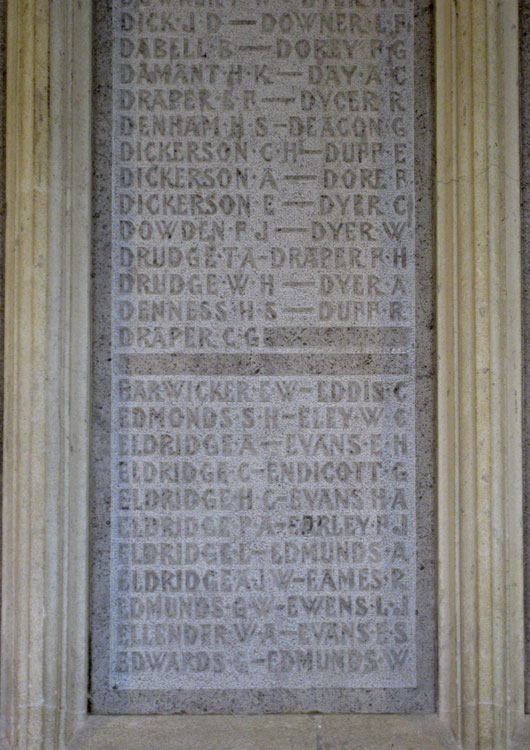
263 733
261 539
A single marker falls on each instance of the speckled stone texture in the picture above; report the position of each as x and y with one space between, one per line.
263 463
3 23
524 20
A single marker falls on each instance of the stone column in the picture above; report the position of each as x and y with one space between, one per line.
479 353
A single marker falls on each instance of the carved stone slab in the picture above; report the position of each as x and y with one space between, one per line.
261 437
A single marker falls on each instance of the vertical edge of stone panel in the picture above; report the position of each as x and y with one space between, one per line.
446 374
509 591
479 388
68 382
524 31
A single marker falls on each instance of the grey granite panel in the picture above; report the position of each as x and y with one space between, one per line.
262 464
524 21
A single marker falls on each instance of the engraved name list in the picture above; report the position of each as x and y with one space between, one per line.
263 510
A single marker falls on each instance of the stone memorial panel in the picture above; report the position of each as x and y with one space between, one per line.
262 523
